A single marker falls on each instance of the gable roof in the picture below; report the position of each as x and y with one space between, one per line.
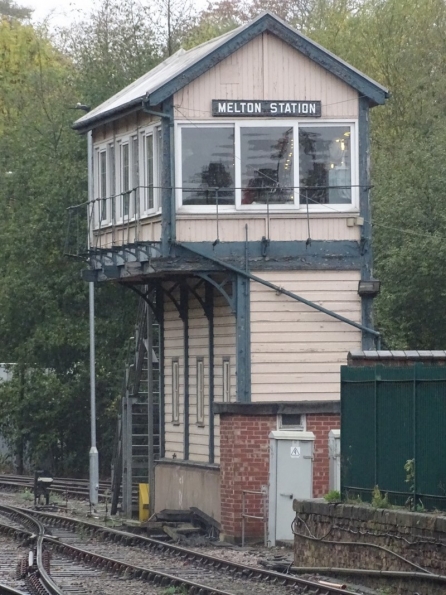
181 68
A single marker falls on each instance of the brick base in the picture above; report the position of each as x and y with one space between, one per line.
244 465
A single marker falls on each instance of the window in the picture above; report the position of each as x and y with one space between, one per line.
325 165
226 380
125 179
200 391
149 202
207 164
267 165
247 165
134 189
112 170
175 391
150 194
291 421
103 185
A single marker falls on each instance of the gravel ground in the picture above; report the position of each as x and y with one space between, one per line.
250 555
80 509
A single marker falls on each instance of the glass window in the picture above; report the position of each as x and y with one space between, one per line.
175 391
208 166
200 391
158 150
134 190
267 165
103 185
226 380
149 199
325 165
125 183
111 156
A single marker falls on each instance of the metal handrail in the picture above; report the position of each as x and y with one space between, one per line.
263 518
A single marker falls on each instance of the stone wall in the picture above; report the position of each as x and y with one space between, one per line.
362 537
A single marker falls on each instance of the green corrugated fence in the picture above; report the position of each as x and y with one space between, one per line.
390 415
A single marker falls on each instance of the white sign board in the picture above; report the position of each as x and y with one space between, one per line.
295 452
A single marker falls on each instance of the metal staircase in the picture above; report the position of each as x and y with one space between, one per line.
137 443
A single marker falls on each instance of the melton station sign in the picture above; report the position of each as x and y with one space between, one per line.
282 109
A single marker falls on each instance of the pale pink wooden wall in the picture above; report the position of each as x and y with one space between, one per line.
296 351
289 227
224 346
266 68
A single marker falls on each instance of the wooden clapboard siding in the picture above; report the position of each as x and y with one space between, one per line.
297 351
224 346
266 68
147 230
198 347
126 125
173 348
196 228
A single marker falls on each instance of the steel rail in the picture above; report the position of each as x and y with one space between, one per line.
31 522
73 487
6 590
212 561
157 577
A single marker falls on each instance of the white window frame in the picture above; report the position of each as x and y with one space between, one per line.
152 131
100 149
176 391
200 391
238 123
120 216
298 427
226 380
179 167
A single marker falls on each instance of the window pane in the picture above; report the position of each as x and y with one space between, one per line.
125 178
111 153
149 173
267 165
200 391
325 165
208 166
134 190
103 184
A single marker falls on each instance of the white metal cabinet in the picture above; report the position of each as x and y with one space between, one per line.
290 477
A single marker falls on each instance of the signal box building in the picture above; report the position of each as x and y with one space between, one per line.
229 188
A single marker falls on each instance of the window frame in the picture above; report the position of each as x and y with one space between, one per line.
179 125
200 370
101 149
154 132
292 427
226 384
239 123
176 391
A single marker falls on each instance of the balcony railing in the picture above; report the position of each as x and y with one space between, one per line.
105 223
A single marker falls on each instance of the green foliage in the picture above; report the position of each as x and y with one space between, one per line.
182 590
43 302
378 500
27 495
333 496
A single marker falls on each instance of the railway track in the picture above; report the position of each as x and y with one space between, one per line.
128 556
78 488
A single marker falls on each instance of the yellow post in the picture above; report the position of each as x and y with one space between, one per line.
144 495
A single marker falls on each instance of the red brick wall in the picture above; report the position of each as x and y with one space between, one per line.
320 425
244 465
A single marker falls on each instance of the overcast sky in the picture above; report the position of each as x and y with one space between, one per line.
59 11
62 12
